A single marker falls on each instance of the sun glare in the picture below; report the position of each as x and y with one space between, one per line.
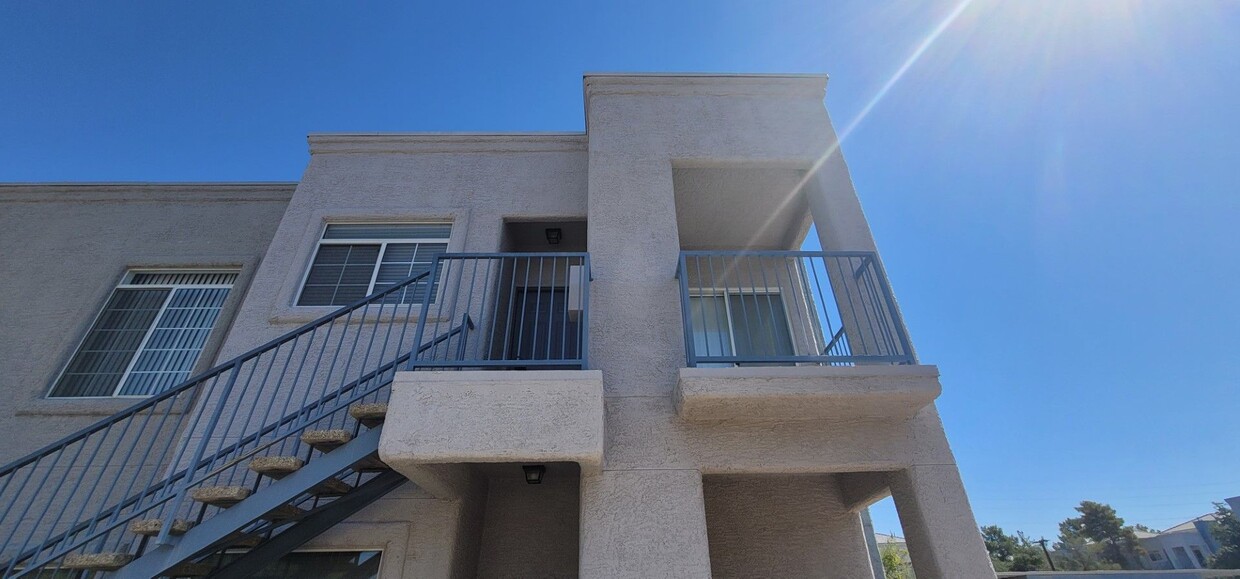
1021 48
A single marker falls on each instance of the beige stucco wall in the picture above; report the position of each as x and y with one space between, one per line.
530 530
535 416
782 526
645 511
64 249
475 181
641 128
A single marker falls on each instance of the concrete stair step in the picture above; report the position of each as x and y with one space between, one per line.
151 527
276 467
284 513
332 487
96 561
326 440
220 496
370 415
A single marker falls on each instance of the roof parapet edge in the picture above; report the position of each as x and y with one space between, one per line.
119 191
344 143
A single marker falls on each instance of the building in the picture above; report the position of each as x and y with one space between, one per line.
1188 545
363 372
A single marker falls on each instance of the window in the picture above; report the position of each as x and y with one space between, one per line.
323 564
1155 556
748 323
148 336
355 260
1201 558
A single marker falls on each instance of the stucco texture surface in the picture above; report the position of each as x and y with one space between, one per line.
782 526
805 393
65 247
648 523
645 512
480 416
530 530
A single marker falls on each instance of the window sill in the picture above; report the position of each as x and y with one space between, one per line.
99 406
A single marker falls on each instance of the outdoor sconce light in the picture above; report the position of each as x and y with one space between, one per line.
554 235
534 473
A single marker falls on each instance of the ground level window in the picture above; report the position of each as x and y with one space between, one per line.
149 335
320 564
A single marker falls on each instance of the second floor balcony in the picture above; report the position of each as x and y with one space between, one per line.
522 311
795 335
789 308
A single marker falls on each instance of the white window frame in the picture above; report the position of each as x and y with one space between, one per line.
382 243
727 308
126 283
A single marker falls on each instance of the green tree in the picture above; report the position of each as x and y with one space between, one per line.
1074 552
1116 543
1012 552
894 565
1226 530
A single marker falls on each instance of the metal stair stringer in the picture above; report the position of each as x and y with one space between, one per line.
313 525
214 531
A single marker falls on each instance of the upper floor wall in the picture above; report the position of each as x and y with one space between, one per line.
699 162
474 182
668 162
65 249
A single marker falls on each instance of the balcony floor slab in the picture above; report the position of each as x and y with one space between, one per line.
454 417
805 392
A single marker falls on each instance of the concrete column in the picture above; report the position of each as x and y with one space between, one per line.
848 554
872 328
942 535
835 208
643 523
444 540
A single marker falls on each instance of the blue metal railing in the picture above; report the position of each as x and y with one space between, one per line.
79 494
531 311
789 308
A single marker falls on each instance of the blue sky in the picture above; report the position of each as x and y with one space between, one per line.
1054 184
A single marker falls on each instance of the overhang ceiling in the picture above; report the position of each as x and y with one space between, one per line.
740 208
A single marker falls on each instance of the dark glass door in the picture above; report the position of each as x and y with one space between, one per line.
544 329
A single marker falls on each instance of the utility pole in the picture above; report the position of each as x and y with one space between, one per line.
1045 552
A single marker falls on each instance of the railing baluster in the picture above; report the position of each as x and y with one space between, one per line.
756 316
207 440
507 289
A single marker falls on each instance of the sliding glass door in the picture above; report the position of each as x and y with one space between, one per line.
743 323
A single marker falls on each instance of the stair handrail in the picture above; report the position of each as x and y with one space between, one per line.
466 324
205 375
192 408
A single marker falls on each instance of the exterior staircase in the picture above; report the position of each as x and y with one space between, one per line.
230 470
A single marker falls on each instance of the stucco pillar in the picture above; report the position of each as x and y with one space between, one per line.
939 528
643 523
848 553
833 203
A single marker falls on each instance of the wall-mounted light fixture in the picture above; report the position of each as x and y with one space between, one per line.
534 473
554 235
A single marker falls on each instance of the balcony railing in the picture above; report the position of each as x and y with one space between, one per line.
529 310
789 308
